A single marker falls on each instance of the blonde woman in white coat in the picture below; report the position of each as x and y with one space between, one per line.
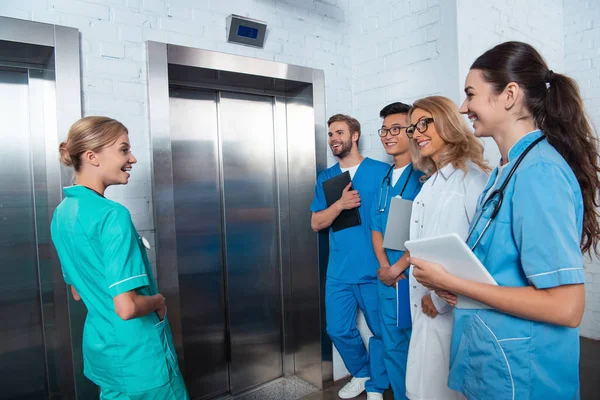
452 159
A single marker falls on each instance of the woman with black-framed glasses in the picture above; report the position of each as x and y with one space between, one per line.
420 126
452 159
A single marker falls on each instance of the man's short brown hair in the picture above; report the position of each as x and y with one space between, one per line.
352 123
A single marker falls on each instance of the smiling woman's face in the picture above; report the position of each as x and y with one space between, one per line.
429 142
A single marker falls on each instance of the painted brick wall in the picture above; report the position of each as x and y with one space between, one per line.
582 62
483 24
401 51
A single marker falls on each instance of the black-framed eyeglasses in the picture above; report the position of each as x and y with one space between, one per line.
420 126
394 130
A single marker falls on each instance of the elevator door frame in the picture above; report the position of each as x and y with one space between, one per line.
305 343
60 339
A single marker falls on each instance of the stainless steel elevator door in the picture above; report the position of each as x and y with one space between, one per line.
193 116
22 352
251 226
226 218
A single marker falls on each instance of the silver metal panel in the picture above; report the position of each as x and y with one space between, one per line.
162 188
283 227
244 65
194 142
68 86
320 152
305 285
70 315
54 104
42 120
16 30
22 352
250 202
311 347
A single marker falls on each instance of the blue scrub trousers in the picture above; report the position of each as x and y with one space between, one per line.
395 340
341 303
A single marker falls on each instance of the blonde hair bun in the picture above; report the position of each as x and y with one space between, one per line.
65 157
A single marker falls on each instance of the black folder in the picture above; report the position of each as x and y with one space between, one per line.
333 189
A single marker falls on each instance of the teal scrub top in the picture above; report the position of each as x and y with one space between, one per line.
102 256
351 255
407 187
534 241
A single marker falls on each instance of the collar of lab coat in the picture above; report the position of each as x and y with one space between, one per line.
445 172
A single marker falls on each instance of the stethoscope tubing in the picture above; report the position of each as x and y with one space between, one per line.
388 184
500 194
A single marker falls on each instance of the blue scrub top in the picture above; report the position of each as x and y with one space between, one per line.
534 240
102 255
351 255
410 177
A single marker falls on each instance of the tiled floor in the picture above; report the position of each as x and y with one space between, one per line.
589 370
331 393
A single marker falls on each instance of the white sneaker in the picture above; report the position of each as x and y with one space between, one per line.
374 396
353 388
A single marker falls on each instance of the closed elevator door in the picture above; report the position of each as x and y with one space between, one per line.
23 228
226 218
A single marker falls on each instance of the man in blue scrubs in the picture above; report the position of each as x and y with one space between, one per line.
404 181
352 266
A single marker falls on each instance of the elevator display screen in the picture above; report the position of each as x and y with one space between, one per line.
248 32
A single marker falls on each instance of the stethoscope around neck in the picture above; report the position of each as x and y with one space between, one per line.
497 196
387 183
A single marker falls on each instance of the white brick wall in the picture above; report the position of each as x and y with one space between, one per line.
401 51
483 24
582 62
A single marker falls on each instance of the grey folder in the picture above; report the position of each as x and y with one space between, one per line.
397 230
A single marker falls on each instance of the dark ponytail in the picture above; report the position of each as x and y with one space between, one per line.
557 109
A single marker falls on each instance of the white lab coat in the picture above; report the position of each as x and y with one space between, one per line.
446 204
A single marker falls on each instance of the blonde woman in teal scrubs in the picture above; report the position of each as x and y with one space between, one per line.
127 344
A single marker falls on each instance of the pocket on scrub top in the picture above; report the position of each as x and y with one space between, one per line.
165 340
493 368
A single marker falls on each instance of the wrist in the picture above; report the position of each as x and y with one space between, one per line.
452 284
338 206
401 265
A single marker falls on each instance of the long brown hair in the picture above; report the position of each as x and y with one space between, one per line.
460 143
557 109
89 133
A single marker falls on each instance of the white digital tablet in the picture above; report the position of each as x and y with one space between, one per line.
452 253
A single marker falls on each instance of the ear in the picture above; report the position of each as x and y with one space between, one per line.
511 94
89 157
355 136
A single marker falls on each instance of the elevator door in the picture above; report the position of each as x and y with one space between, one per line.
22 352
226 209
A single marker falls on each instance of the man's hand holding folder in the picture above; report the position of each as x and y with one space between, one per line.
339 193
350 199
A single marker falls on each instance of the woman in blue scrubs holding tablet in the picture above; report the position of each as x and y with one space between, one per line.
535 219
127 344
